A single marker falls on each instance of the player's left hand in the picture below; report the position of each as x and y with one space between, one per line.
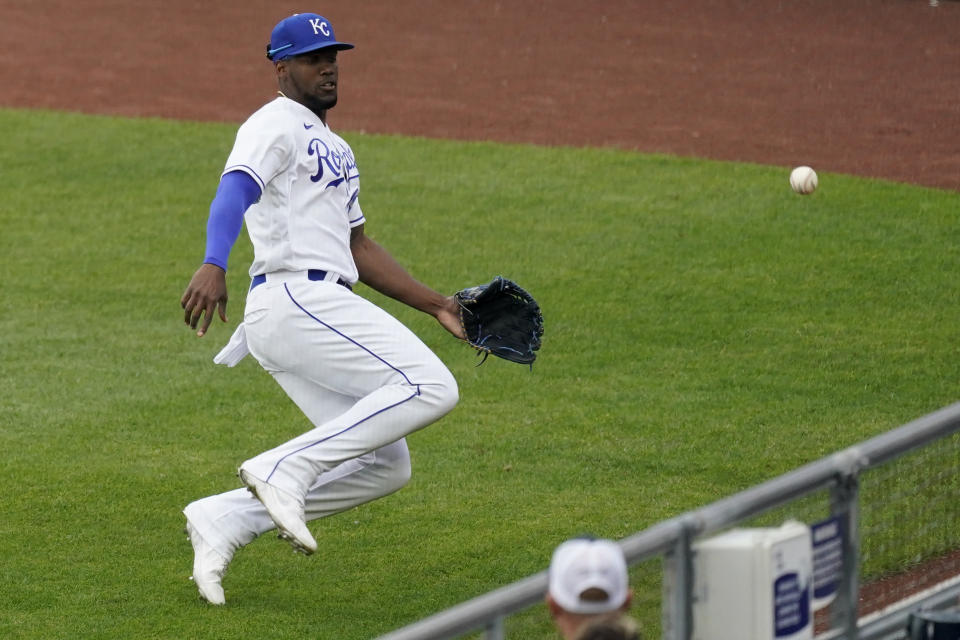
207 289
449 317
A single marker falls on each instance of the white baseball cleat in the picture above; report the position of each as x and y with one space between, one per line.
285 511
208 567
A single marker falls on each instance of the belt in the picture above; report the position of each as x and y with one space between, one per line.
312 274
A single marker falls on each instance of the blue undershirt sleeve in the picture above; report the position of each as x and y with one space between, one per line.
237 191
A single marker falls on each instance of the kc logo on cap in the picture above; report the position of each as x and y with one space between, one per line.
320 26
301 33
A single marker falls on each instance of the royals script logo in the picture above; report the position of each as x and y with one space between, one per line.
334 165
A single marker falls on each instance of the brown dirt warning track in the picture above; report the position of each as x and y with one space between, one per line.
865 87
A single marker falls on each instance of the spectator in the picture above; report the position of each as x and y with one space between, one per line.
588 585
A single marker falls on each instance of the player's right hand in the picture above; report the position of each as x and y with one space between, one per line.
207 289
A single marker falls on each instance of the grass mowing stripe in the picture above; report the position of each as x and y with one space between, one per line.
706 329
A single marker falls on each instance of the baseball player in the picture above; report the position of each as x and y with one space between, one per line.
362 378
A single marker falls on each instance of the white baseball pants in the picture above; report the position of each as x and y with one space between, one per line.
360 376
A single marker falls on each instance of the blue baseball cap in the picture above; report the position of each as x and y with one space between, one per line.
300 33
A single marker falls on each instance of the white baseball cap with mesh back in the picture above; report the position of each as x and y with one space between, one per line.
582 564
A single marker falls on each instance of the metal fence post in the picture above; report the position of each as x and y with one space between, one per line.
677 614
495 629
845 505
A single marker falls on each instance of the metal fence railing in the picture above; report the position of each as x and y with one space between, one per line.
895 496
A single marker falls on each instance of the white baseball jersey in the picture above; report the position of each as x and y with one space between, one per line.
310 185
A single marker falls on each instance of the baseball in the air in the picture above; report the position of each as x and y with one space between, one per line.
803 180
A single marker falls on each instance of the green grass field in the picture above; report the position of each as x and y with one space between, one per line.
706 329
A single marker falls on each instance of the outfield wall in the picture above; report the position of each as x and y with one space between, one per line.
894 498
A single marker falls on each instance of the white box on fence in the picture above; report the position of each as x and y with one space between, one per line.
754 584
